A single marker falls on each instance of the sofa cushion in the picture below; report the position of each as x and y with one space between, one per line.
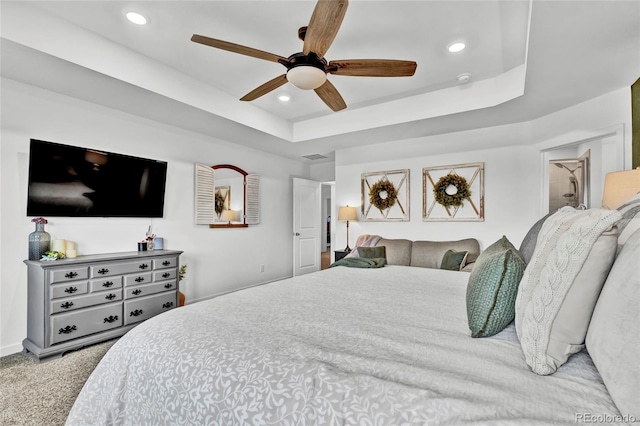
561 285
454 260
492 288
613 338
398 251
429 254
378 252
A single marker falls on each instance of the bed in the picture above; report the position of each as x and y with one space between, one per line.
387 346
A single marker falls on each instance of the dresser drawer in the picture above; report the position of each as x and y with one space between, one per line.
140 309
68 274
68 289
108 269
148 289
138 279
73 303
110 283
165 274
86 321
165 262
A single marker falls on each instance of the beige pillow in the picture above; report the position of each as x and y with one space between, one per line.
561 284
613 339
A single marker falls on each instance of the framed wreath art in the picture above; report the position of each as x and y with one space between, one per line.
453 193
385 196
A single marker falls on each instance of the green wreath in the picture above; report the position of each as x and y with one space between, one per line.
219 205
447 200
377 189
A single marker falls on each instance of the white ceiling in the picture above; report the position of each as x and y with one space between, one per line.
526 59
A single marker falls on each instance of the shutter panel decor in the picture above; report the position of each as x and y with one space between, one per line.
253 199
204 195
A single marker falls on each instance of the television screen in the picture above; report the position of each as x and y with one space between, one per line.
71 181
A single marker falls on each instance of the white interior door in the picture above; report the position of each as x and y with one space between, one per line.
307 226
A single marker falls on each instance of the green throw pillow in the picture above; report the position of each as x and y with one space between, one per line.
376 252
453 260
493 287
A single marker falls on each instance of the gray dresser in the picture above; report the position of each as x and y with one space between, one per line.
77 302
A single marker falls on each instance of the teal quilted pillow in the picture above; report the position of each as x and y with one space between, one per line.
493 287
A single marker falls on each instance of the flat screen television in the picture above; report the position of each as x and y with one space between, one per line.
81 182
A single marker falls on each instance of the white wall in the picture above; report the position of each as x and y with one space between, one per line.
219 260
515 174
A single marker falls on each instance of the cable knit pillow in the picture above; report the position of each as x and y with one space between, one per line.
561 284
492 288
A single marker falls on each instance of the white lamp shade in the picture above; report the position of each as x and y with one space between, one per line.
347 213
619 187
229 215
306 77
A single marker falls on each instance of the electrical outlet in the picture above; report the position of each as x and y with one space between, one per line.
261 268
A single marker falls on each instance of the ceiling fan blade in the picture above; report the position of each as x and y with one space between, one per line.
265 88
323 26
372 67
237 48
330 96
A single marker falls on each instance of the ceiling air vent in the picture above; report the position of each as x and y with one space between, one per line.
314 157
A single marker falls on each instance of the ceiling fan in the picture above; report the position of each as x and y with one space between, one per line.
308 69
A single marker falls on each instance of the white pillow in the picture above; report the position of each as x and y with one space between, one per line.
613 339
561 284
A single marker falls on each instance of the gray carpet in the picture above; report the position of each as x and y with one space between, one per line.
42 394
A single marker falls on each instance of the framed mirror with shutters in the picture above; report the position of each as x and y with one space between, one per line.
226 196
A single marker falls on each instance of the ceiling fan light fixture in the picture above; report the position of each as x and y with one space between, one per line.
306 77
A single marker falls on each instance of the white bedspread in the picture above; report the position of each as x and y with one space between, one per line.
386 346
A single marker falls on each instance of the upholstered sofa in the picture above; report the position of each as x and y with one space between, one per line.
427 254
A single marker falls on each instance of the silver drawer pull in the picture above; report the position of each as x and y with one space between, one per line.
103 271
169 285
110 296
136 292
166 263
167 305
107 284
135 313
71 275
68 329
71 290
139 279
143 266
66 305
111 318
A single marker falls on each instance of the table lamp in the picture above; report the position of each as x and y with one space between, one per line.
228 216
619 187
346 214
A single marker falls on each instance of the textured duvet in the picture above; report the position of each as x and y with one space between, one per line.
344 346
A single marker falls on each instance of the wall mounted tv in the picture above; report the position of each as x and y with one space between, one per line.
71 181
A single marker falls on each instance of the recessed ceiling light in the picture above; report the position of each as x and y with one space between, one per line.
136 18
284 98
456 47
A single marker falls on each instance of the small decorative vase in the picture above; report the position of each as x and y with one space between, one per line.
142 246
39 242
150 244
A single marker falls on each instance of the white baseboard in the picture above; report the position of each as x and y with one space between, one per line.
10 350
201 299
